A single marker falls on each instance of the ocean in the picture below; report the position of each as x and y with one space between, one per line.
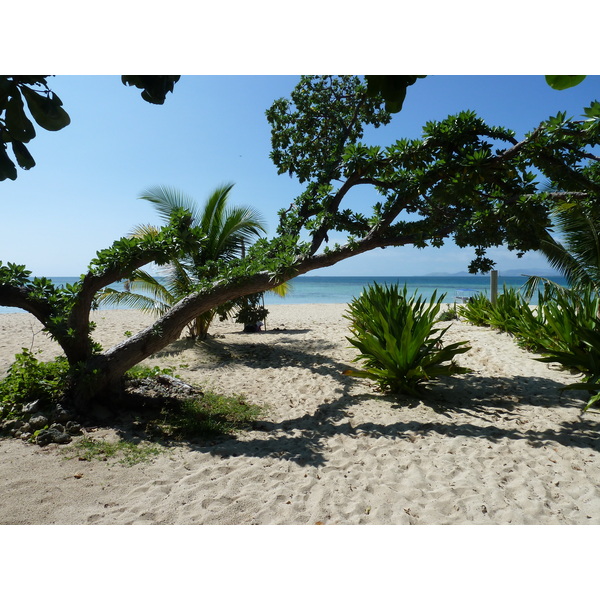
341 290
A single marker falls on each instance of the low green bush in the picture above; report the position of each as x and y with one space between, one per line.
511 313
570 336
398 341
450 314
476 311
563 328
28 379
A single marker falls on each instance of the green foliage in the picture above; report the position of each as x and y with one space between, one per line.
458 181
570 336
28 379
142 371
13 274
392 89
574 251
563 328
310 131
398 341
45 108
592 111
511 313
477 310
178 237
16 128
251 310
222 234
507 312
155 87
563 82
450 314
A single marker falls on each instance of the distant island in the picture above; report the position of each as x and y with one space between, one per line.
507 273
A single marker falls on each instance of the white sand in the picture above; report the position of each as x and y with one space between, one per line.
498 446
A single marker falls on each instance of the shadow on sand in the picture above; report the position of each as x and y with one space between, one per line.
493 400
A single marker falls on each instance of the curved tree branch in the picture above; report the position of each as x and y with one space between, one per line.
19 297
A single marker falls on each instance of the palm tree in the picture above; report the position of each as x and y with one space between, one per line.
577 256
227 230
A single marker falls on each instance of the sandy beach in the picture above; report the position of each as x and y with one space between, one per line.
500 445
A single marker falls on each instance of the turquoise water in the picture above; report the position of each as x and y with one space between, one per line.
327 290
341 290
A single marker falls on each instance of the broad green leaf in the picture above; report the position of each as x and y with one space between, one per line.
7 166
46 110
392 89
563 82
363 374
155 87
22 155
19 126
593 110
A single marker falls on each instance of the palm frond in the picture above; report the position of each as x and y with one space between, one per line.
211 213
241 225
576 255
141 231
116 298
143 292
226 230
282 290
535 282
167 200
180 280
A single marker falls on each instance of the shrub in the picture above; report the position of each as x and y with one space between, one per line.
450 314
29 379
476 311
251 310
565 328
511 313
398 341
506 312
570 335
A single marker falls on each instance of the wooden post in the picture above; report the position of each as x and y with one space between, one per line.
493 286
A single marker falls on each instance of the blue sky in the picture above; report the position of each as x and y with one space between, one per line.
83 193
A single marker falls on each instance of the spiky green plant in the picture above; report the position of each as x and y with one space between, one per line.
398 340
477 310
563 328
570 336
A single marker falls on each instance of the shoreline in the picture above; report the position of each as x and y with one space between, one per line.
500 445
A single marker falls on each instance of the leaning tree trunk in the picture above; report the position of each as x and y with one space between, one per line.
102 374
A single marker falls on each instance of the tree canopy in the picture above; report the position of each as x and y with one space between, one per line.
463 179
